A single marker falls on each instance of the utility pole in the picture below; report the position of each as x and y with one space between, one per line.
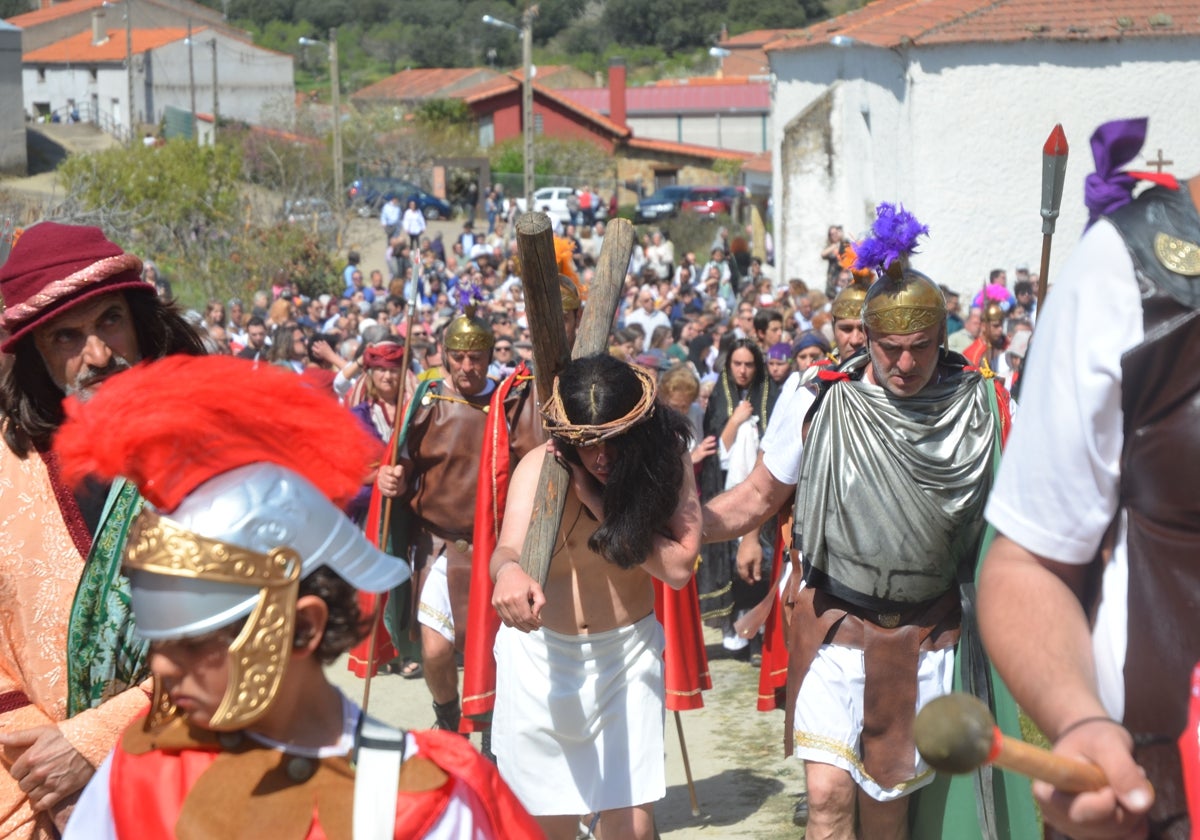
129 66
216 98
339 196
192 77
527 100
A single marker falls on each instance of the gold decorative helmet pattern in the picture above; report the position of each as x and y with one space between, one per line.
903 301
466 332
849 302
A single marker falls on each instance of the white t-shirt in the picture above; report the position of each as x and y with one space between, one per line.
1058 486
782 444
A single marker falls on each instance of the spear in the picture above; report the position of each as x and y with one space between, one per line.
393 454
1054 169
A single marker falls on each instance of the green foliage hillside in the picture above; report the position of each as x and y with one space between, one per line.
377 38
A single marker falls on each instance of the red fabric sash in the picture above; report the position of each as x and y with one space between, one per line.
146 792
491 494
505 815
772 673
686 660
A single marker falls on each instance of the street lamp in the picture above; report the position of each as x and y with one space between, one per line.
526 33
336 97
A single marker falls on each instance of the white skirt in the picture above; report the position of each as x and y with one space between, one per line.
829 713
433 607
578 724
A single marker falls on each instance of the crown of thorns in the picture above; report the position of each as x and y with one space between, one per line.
590 434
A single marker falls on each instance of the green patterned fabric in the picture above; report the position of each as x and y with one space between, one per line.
105 655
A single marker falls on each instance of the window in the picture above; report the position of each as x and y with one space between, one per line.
537 123
94 73
487 132
665 178
41 75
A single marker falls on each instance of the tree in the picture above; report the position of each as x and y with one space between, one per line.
183 206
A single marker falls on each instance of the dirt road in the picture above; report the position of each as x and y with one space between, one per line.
745 787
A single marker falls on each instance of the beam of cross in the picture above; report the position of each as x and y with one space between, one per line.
1158 163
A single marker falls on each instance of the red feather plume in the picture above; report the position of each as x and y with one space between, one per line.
171 425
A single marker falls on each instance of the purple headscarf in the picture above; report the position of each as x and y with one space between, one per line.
1115 144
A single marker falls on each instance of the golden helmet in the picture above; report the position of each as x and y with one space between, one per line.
571 300
849 302
993 313
903 301
467 332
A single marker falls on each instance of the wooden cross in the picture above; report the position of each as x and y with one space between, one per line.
1159 163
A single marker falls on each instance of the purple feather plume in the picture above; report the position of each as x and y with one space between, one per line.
468 294
893 235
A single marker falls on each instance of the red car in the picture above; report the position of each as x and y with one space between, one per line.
710 202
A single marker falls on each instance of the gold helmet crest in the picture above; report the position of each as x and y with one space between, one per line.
849 302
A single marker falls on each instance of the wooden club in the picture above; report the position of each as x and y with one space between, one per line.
956 734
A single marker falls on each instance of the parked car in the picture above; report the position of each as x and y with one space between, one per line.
367 196
662 204
554 199
711 201
703 201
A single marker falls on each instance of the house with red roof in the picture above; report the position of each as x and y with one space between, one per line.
731 113
55 21
85 77
945 105
648 161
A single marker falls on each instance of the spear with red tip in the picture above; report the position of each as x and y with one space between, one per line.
1054 169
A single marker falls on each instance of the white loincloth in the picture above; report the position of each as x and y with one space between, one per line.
578 725
434 609
829 713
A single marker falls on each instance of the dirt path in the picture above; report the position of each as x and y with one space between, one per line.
746 788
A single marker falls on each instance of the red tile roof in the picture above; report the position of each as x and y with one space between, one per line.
680 98
754 38
688 149
79 48
425 83
761 162
895 23
55 12
511 82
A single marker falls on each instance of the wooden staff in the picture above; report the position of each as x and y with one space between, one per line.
543 309
687 765
956 734
393 452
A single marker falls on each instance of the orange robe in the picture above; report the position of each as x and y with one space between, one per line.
42 552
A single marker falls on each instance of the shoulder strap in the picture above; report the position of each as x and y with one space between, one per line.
379 752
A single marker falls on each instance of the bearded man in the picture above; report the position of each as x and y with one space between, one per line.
72 670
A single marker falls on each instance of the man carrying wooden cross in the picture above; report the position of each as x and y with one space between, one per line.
578 725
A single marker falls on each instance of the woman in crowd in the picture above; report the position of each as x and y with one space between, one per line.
737 416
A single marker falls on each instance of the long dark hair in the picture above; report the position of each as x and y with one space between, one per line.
642 491
760 366
31 402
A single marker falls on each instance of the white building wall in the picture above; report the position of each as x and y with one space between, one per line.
13 158
737 132
255 86
955 133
